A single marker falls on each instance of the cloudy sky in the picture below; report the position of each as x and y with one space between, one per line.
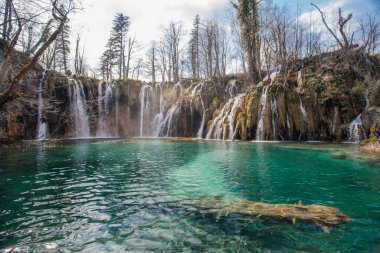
147 16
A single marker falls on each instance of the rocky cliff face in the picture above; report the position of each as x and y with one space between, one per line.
333 97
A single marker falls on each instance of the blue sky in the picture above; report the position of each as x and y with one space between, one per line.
353 5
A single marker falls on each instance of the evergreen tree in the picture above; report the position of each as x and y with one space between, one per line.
107 61
118 40
194 47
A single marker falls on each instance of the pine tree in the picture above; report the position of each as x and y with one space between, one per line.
118 38
107 61
194 47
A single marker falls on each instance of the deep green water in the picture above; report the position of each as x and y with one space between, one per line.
126 196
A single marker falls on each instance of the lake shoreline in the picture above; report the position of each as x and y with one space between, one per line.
24 145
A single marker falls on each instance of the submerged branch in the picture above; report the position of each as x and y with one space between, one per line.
315 214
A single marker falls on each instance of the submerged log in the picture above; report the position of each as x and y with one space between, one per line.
315 214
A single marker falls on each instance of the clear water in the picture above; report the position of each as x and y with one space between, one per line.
127 196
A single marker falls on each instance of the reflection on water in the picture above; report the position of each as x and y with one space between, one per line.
134 196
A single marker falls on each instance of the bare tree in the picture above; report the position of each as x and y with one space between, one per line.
60 12
79 57
173 36
369 30
137 68
238 44
132 48
151 64
162 56
346 40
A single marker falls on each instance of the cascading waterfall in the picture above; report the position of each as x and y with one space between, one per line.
260 125
146 96
117 96
101 121
304 115
108 97
299 81
192 96
231 88
168 119
177 89
78 106
260 131
100 98
216 128
159 117
104 101
288 124
356 125
273 105
302 108
42 127
201 127
353 135
303 111
231 133
367 105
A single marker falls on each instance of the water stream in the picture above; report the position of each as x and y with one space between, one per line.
42 126
78 106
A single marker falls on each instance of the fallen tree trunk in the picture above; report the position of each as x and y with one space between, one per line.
315 214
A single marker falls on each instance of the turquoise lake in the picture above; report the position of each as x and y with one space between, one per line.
127 196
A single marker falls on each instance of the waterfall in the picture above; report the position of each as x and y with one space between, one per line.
198 88
367 105
302 108
42 127
78 106
192 96
273 105
356 125
231 88
303 111
299 81
288 125
108 98
167 122
104 101
230 116
260 125
117 96
100 100
159 117
146 97
177 88
304 115
101 121
216 128
260 131
202 125
152 106
353 135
